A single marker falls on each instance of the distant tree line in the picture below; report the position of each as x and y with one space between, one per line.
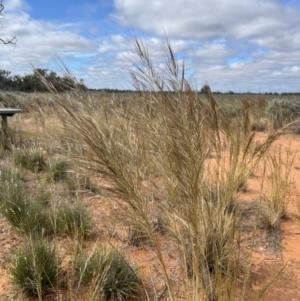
32 82
107 90
205 89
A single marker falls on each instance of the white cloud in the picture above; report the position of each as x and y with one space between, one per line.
237 45
264 75
15 5
37 42
214 53
241 43
210 20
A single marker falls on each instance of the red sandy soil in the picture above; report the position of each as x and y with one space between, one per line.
267 263
266 260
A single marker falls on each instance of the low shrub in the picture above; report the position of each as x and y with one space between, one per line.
282 111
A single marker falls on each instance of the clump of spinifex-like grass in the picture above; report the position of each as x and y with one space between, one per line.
187 145
28 215
31 159
108 274
72 220
34 268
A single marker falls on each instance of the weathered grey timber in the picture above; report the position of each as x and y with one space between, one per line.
6 112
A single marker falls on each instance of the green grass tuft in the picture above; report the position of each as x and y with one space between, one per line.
111 274
34 268
29 216
73 220
30 159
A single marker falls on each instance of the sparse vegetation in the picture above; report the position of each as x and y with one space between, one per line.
282 111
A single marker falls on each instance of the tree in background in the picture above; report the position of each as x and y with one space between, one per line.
32 82
205 89
13 40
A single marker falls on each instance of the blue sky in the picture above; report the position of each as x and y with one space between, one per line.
238 45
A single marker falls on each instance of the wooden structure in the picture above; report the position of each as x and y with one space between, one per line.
6 112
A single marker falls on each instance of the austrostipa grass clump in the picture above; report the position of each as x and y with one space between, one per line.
28 215
109 274
176 146
74 220
34 268
31 159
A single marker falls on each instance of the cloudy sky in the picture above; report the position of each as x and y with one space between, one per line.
238 45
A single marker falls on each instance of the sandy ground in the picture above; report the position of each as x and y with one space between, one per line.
266 263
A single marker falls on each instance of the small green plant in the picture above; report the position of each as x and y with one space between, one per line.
30 159
111 275
34 268
73 220
27 215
